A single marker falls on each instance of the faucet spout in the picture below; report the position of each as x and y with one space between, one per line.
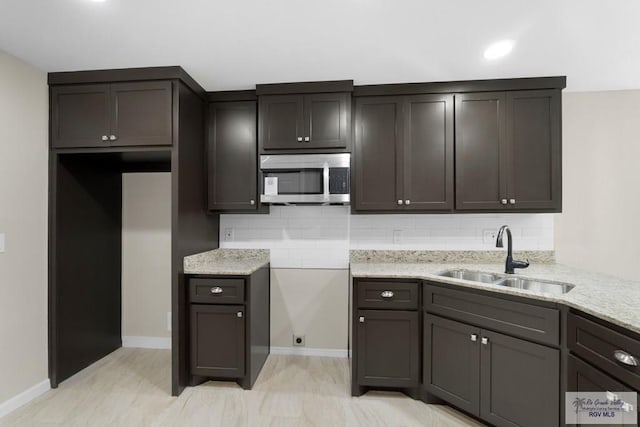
510 263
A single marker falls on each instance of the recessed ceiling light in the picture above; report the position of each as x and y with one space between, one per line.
499 49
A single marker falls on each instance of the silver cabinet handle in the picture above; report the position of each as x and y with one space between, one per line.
252 202
503 201
307 139
625 358
512 201
299 139
387 294
474 337
400 202
239 314
216 290
407 202
105 138
485 340
112 137
361 319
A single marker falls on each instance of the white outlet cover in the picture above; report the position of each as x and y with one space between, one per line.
1 243
228 234
489 236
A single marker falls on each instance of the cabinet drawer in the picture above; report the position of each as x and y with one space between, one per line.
216 291
598 344
387 294
514 318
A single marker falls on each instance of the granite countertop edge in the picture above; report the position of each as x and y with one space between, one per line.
230 262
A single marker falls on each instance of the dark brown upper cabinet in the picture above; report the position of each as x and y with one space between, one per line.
508 151
301 122
232 156
404 153
117 114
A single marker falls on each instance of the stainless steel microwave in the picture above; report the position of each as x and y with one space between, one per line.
305 179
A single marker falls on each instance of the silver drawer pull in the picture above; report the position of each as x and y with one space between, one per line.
474 337
216 290
361 320
625 358
485 340
387 294
239 314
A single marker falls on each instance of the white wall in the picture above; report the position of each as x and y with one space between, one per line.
321 236
146 255
24 115
599 228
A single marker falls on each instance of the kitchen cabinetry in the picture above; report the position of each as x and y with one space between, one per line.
404 153
476 348
229 326
232 156
386 335
114 114
309 121
508 151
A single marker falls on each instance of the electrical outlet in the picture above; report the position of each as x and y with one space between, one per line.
489 236
169 321
228 234
298 340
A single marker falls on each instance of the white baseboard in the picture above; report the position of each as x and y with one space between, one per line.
304 351
146 342
26 396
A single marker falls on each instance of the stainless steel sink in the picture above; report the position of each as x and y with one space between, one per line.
536 285
533 285
473 276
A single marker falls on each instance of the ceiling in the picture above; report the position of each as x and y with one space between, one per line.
234 44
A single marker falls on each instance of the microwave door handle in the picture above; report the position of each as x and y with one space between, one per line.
325 176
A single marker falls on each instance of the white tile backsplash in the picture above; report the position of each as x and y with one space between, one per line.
321 236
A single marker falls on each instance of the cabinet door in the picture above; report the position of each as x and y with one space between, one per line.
534 150
520 382
281 122
378 159
428 152
388 348
481 174
451 362
326 118
217 340
141 113
79 116
583 377
232 156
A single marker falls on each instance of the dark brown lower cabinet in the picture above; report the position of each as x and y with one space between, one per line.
229 327
504 380
581 376
218 334
388 348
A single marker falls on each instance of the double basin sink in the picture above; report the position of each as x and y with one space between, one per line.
533 285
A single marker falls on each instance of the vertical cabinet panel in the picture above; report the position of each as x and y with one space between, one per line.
388 348
452 362
378 134
534 157
217 340
326 120
480 151
519 382
428 152
281 122
79 115
141 113
232 156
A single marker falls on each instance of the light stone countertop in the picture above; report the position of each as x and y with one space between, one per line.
606 297
240 262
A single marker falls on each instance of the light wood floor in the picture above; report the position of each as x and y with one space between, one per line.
131 387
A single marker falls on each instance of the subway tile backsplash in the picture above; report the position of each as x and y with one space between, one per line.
321 236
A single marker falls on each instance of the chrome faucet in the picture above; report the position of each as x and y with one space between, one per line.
510 264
